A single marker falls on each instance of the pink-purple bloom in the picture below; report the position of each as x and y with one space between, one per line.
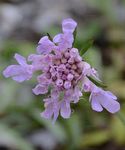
104 99
64 72
20 72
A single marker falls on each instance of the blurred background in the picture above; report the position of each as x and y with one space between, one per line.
22 23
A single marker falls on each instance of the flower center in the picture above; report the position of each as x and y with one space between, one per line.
66 69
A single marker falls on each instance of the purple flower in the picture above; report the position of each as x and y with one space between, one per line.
69 25
65 109
45 46
100 98
77 93
20 72
52 106
40 62
64 41
51 109
64 73
43 85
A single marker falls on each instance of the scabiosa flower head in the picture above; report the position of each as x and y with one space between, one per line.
64 72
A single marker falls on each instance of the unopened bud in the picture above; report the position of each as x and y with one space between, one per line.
57 62
67 84
78 59
71 61
74 67
80 65
63 60
64 77
74 52
48 75
59 82
76 75
70 77
68 66
67 55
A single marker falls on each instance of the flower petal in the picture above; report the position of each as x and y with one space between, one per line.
95 104
57 38
64 41
34 57
68 25
40 89
111 95
105 99
18 73
20 59
55 114
86 69
12 70
76 94
45 46
20 78
43 80
109 104
48 112
65 110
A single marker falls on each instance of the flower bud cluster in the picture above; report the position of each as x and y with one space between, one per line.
66 69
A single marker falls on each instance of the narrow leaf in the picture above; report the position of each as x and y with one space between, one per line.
74 35
86 46
96 82
49 36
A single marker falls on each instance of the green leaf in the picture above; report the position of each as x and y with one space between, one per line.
49 36
86 46
74 35
96 82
